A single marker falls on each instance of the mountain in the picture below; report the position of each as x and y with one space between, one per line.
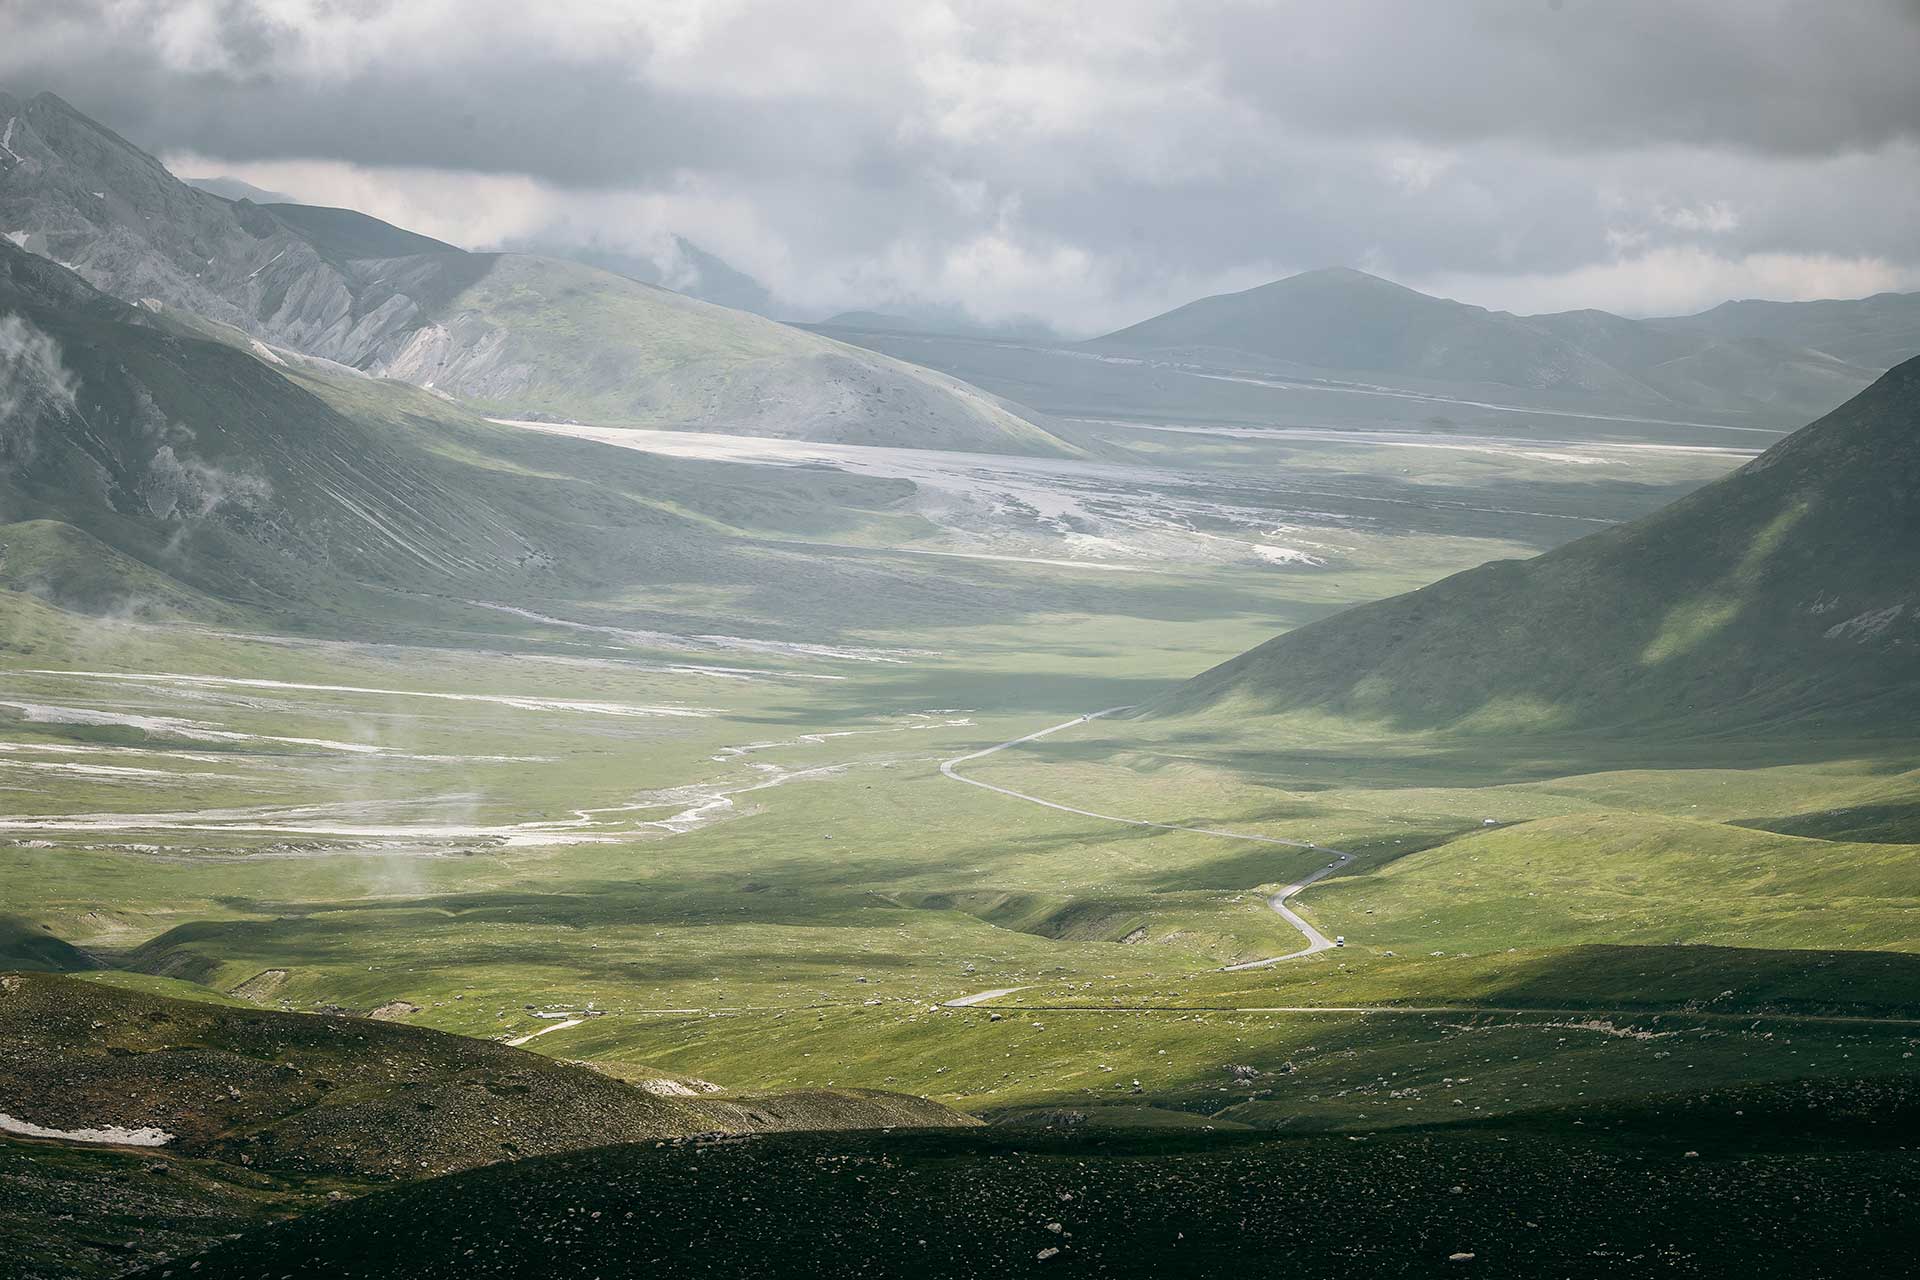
145 463
157 465
511 334
679 265
1340 319
236 190
1346 324
1787 594
1874 333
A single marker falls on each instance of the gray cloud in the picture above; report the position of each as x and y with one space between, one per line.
1088 161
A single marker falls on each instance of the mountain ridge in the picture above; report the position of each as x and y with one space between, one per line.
1781 595
514 335
1344 323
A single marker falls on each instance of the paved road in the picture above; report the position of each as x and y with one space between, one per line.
1316 941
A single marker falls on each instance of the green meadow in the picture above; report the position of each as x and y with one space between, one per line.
728 837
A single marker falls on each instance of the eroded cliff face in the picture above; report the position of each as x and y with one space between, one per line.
79 194
513 335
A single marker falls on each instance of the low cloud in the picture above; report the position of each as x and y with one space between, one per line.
34 381
1084 161
182 488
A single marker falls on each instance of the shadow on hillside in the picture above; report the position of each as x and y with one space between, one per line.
26 945
1858 824
1717 980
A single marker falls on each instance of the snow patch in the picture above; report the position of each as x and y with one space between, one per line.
112 1135
663 1088
1286 555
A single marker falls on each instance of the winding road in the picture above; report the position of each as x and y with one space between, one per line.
1316 941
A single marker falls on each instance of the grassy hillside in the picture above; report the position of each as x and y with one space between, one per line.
1783 594
161 465
541 337
207 471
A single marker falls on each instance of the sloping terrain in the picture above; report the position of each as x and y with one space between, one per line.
1874 333
179 1121
678 264
304 1095
514 334
1341 319
203 465
1343 323
1784 593
1756 1183
537 337
162 465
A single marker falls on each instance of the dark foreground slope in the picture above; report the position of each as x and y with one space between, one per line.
1788 592
1745 1185
305 1094
267 1112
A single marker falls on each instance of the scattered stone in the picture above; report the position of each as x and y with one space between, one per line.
393 1009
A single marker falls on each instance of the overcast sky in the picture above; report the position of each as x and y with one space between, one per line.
1087 163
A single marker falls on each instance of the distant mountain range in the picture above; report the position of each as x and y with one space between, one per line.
1785 595
1383 354
1766 358
509 334
679 265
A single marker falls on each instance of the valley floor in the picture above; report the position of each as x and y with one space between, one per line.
704 828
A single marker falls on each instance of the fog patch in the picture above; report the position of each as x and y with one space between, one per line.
34 382
178 488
